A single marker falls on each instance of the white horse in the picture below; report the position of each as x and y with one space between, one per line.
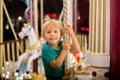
33 49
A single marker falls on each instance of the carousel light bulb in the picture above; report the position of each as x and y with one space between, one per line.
19 18
17 78
30 76
3 68
7 76
7 63
21 77
7 27
3 75
16 74
78 18
8 73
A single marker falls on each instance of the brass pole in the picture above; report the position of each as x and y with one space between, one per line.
1 35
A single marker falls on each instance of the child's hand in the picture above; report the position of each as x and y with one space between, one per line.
66 46
68 29
42 41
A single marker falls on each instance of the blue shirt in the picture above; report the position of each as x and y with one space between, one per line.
49 54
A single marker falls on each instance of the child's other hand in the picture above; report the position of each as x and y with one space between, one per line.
68 29
66 46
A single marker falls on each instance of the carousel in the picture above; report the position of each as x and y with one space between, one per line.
17 61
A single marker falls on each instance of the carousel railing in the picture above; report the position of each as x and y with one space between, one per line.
83 41
11 52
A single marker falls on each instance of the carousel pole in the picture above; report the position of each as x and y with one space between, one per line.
33 17
10 22
1 35
41 12
41 21
67 19
35 9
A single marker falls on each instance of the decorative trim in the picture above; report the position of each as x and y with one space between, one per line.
33 47
98 54
100 67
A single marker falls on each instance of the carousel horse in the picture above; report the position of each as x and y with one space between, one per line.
33 48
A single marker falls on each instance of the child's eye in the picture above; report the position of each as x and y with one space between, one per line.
56 31
48 31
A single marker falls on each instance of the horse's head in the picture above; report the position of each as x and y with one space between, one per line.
25 31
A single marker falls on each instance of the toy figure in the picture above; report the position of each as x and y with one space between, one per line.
33 48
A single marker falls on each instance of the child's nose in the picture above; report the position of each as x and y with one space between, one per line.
52 33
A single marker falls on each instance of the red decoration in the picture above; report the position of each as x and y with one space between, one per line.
82 29
53 16
87 29
48 15
77 57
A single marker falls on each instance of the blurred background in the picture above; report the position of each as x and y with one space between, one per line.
17 8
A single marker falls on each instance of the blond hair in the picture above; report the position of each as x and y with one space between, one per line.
51 22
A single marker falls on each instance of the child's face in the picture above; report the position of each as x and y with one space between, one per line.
52 34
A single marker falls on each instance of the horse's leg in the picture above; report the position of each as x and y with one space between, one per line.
34 55
22 57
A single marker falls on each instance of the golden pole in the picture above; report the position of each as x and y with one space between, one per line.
1 35
42 14
10 22
35 16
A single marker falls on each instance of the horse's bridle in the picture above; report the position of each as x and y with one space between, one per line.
24 33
